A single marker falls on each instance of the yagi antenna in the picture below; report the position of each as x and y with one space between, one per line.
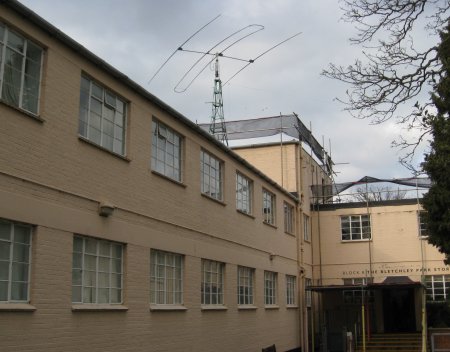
181 45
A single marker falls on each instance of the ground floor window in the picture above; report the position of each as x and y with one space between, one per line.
15 246
246 278
212 282
97 271
291 289
438 287
166 277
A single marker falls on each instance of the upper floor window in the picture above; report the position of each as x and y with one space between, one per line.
306 228
243 193
270 288
355 227
246 278
211 175
268 207
20 70
166 151
166 278
438 287
102 117
212 282
423 229
291 290
288 218
15 246
96 271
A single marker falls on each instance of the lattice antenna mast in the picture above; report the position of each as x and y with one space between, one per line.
217 127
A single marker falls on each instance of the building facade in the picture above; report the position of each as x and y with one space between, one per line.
124 226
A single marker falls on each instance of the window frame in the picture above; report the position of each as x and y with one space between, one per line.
268 198
270 288
306 228
166 293
245 286
356 219
86 115
83 269
214 176
169 140
308 293
216 269
423 228
291 290
430 284
289 218
244 199
11 261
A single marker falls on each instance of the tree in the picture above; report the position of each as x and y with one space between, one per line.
394 70
377 194
437 162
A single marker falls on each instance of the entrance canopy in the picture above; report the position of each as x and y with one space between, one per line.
388 282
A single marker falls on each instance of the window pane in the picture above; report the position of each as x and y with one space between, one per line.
19 291
5 250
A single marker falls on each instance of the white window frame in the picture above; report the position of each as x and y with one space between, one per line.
166 278
166 151
423 229
291 290
356 227
434 283
289 217
268 207
25 77
246 285
212 286
11 239
308 293
244 193
211 170
109 124
306 228
270 288
108 267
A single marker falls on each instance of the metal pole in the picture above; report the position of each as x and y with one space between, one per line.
363 327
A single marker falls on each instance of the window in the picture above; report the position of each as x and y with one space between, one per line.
102 117
438 287
211 175
288 218
291 290
166 151
308 297
306 228
356 296
360 281
166 278
97 271
243 194
423 229
20 70
270 288
355 227
212 282
246 278
15 246
268 207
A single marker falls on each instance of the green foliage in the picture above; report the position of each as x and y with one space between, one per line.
437 163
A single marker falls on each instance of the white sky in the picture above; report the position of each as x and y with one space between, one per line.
137 36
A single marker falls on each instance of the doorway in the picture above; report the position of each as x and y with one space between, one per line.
399 310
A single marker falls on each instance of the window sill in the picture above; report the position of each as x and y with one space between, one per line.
221 202
37 118
272 306
269 224
92 307
291 307
179 183
289 233
247 307
167 307
356 241
16 307
87 141
209 307
246 214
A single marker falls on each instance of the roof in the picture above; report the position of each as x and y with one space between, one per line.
389 282
88 55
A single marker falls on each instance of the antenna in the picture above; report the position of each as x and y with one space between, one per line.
217 126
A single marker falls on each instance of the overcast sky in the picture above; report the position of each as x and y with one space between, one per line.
137 36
